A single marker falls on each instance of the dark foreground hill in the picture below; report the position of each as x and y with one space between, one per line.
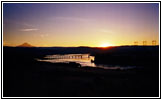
23 76
129 55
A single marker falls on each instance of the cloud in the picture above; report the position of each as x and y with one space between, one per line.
28 29
27 25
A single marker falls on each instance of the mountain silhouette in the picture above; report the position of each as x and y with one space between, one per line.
25 45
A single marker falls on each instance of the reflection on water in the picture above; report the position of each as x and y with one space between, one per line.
83 59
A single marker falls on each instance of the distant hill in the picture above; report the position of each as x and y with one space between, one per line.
25 45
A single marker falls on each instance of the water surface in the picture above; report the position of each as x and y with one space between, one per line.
83 59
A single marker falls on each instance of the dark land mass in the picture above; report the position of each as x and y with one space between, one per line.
23 76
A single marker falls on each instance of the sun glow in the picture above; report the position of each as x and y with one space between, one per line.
105 45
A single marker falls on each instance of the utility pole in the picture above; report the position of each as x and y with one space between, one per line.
136 43
154 42
144 43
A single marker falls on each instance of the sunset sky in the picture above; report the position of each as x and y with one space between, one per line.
80 24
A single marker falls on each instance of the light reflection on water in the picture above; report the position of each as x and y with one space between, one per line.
83 59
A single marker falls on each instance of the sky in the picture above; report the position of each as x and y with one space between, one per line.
80 24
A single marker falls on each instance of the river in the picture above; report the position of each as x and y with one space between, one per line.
83 59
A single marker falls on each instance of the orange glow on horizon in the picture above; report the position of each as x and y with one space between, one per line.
105 45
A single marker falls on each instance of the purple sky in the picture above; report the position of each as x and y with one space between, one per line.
80 24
